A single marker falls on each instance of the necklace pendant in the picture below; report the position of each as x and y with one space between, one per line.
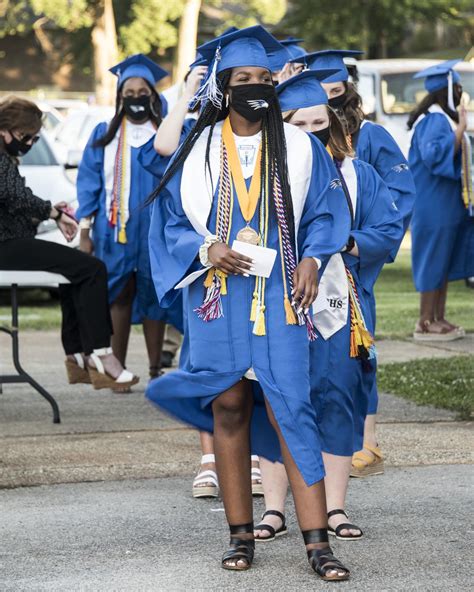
248 235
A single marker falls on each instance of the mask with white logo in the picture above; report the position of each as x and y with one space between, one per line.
252 101
137 108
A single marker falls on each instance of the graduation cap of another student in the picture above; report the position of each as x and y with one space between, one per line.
304 90
251 46
437 77
199 61
329 58
292 44
138 66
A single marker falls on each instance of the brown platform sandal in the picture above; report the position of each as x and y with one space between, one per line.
240 549
322 561
365 465
100 379
76 371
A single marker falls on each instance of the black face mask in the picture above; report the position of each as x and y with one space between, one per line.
137 108
323 135
252 100
17 147
337 102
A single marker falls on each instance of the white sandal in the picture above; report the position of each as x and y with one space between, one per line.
205 483
257 487
100 379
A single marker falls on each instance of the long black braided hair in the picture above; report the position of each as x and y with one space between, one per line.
156 116
273 136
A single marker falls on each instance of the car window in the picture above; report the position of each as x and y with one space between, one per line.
39 155
69 130
401 92
366 89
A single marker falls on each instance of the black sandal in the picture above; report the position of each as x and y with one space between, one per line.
155 372
241 549
323 561
273 533
345 526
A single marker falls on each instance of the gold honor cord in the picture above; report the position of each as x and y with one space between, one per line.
248 200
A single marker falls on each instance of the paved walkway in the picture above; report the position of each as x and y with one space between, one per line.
136 527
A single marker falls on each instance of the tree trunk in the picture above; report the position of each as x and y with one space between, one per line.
188 29
104 43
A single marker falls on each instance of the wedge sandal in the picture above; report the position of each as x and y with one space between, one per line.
205 483
366 465
76 371
101 380
345 526
274 533
322 561
240 549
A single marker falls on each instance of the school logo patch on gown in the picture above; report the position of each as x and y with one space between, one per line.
335 183
399 168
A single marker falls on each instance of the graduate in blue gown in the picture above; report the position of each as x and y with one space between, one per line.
372 144
344 350
243 175
442 226
112 188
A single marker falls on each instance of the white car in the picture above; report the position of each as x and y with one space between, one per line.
389 92
47 178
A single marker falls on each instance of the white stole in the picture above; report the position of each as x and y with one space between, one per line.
136 135
330 309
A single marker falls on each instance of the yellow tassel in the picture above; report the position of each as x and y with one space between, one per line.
209 278
289 312
122 237
259 328
253 312
223 277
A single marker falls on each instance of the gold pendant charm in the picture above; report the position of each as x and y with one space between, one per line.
248 235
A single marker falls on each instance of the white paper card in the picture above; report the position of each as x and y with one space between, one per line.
189 279
263 258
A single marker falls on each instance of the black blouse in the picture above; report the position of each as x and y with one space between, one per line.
20 210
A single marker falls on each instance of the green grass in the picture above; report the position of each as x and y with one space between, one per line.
398 303
443 382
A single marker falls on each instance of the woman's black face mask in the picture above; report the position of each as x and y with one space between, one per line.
337 102
19 147
137 108
252 101
323 135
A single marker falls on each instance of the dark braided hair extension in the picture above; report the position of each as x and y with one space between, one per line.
115 122
439 97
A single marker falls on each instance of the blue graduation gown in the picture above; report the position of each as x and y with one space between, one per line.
377 147
341 385
122 260
442 232
221 351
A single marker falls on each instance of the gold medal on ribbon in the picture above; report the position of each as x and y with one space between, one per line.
248 200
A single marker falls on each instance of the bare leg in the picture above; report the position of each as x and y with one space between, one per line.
310 502
427 306
275 489
440 308
207 443
336 481
232 413
207 447
121 312
369 431
154 332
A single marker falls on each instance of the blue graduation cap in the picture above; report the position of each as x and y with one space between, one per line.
138 66
304 90
199 61
245 47
292 44
437 77
279 58
329 58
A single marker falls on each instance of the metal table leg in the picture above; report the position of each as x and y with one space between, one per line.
22 375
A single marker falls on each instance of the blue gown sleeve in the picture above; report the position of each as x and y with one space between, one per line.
90 175
325 222
436 143
153 162
173 243
380 227
387 159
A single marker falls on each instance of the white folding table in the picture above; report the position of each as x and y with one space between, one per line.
26 279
